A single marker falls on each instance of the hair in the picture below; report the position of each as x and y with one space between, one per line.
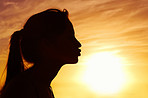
46 24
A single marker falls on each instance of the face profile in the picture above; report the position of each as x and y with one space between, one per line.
48 41
71 45
66 46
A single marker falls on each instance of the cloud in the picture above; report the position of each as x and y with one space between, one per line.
100 25
113 24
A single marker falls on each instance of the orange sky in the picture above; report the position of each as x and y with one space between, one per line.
101 25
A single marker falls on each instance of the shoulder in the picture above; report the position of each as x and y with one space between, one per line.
19 87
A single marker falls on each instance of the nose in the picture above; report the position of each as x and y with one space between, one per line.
78 44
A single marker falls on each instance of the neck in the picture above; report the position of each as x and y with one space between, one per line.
44 73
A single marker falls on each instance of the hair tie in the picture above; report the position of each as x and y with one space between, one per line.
20 33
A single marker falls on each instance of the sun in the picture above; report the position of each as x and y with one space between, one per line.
104 73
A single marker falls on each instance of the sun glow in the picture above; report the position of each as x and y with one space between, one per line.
104 73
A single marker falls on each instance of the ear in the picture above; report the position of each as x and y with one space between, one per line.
45 43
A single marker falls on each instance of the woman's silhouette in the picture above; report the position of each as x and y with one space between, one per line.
47 41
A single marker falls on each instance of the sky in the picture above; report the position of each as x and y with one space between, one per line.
119 27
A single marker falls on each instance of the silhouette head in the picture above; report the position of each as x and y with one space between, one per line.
49 36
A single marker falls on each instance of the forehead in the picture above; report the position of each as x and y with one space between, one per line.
69 28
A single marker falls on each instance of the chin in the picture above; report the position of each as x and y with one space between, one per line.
72 61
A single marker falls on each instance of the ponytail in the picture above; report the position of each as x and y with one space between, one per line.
15 63
24 43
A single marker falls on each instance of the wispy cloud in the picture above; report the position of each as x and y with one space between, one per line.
100 25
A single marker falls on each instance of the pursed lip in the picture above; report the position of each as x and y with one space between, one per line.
79 52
